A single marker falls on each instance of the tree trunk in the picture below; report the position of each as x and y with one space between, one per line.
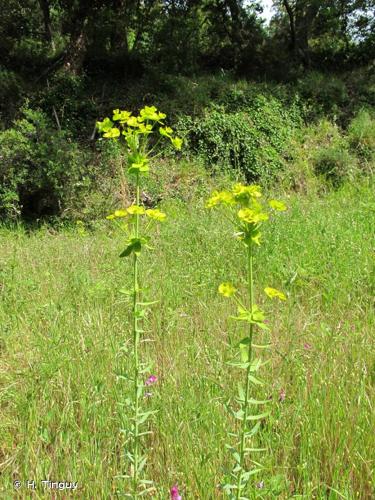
76 50
118 39
292 27
301 17
306 13
48 35
236 32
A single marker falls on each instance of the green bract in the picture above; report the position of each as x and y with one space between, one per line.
105 125
167 131
134 245
121 116
112 133
177 142
138 163
151 113
156 214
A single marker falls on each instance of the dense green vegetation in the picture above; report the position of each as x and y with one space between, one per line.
241 91
63 324
288 104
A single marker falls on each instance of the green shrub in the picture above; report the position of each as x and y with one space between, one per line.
41 168
329 152
10 94
251 141
324 94
182 95
361 133
319 157
335 163
66 95
242 95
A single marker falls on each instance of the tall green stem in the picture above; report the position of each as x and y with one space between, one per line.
248 372
135 352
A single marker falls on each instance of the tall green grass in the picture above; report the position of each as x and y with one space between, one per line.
63 323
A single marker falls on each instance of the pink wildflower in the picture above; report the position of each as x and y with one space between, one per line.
151 380
175 494
307 346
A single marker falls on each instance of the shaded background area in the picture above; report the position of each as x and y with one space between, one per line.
227 72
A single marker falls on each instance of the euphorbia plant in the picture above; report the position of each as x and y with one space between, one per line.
137 133
247 214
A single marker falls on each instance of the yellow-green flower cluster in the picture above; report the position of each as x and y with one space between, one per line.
151 213
277 205
123 123
167 132
244 194
220 198
251 211
252 215
273 293
227 289
240 194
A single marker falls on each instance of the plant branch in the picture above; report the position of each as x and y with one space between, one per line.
247 390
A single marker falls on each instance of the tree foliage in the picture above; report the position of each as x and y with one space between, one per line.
179 36
69 61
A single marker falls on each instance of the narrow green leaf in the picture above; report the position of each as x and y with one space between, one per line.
246 475
229 487
258 402
142 417
260 346
244 353
238 414
257 417
146 491
255 365
261 325
254 380
241 392
251 450
142 463
126 291
237 468
237 364
244 341
253 431
146 481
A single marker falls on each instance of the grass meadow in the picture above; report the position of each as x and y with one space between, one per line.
65 333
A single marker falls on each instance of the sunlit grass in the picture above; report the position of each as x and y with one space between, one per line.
63 324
